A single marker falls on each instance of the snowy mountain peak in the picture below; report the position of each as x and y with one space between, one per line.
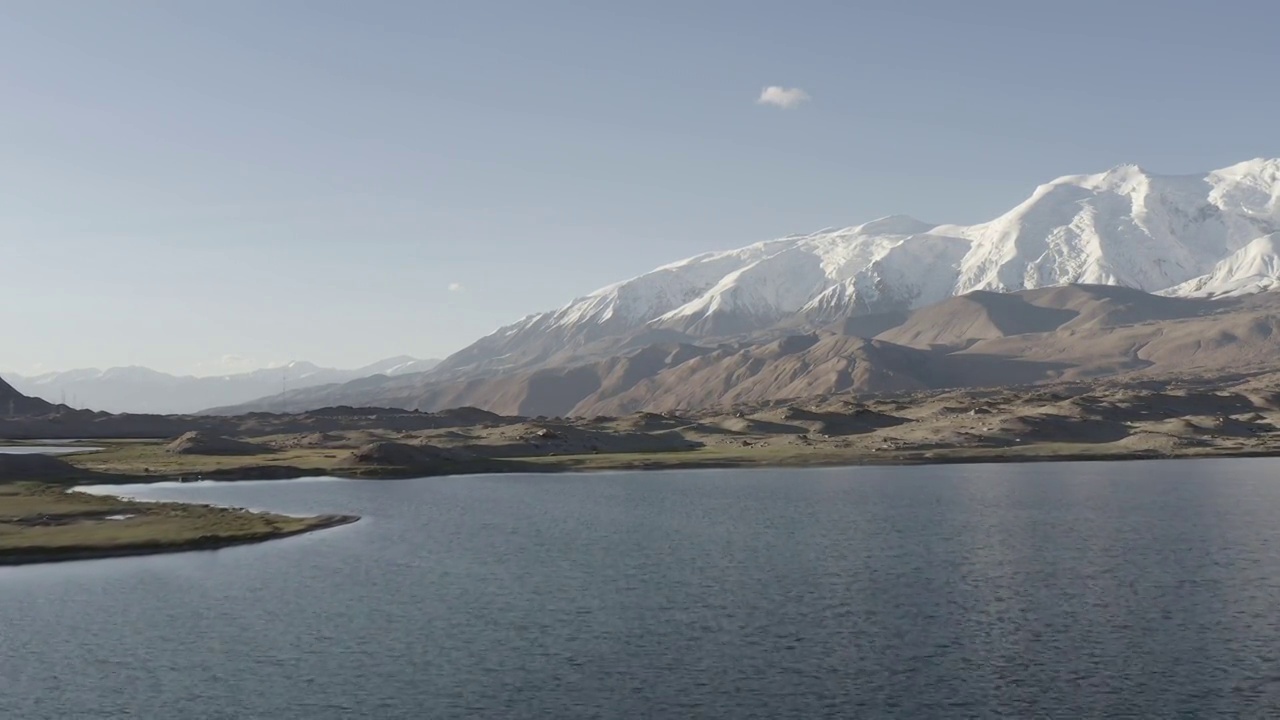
894 225
1120 178
1253 268
1266 169
1180 234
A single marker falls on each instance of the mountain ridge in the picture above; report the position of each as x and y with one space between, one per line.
980 339
1207 235
138 389
1125 226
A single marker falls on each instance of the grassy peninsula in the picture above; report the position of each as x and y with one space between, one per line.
42 522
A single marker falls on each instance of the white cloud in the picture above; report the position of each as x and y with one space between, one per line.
785 98
455 287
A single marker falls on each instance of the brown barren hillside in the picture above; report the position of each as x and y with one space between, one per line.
981 339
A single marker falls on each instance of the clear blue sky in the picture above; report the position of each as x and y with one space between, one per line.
200 186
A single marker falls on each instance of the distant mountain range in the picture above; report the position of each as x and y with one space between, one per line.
142 390
848 307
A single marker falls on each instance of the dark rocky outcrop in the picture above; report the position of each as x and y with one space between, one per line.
401 455
37 467
14 404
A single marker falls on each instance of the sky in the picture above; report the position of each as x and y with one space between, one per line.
208 187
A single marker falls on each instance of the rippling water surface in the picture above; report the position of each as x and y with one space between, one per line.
1137 589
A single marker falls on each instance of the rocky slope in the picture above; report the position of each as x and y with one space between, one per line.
980 339
14 404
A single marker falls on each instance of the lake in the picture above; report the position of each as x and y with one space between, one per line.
44 449
1069 590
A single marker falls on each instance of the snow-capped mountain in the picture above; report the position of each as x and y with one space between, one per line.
400 365
143 390
1253 268
1200 235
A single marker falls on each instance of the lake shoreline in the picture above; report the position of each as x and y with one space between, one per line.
746 458
686 460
